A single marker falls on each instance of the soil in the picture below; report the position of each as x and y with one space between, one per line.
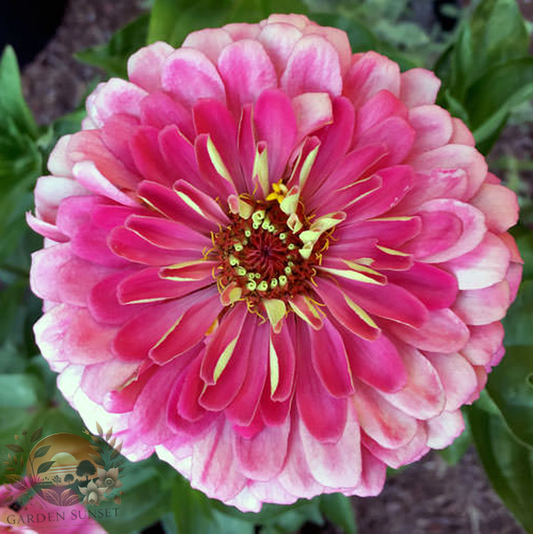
426 498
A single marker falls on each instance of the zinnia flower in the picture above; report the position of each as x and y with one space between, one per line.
278 265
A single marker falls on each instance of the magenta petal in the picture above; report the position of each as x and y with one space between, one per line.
226 334
250 57
243 408
103 302
375 362
213 118
285 364
160 110
275 124
330 360
191 326
168 203
145 329
223 388
310 391
432 286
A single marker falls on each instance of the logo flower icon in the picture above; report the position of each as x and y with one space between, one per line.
93 494
108 480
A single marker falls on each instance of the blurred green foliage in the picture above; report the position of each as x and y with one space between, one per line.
487 76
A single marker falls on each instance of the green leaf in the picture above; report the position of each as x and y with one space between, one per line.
338 509
41 451
194 512
172 20
19 391
508 464
45 467
113 56
12 102
510 386
496 93
519 318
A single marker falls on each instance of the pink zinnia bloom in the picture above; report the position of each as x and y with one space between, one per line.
278 265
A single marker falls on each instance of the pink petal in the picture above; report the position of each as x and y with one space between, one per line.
282 345
115 135
189 75
455 157
144 67
433 126
384 423
313 111
90 177
370 73
499 205
484 341
335 465
166 234
372 477
279 39
418 87
442 332
461 134
443 429
263 457
168 203
407 454
483 306
435 221
250 57
457 377
45 229
115 96
210 41
377 109
338 39
313 66
423 396
484 266
221 390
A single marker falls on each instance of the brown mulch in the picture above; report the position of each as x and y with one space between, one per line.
426 498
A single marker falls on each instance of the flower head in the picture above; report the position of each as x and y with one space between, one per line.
278 265
108 480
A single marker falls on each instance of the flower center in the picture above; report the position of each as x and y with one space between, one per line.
261 252
109 481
